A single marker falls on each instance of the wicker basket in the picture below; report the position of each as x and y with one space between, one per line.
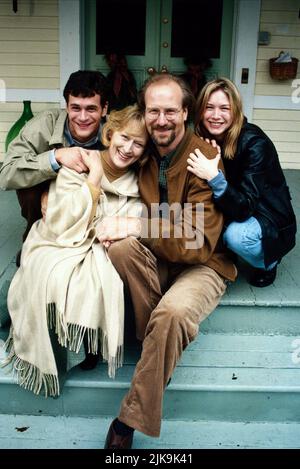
283 71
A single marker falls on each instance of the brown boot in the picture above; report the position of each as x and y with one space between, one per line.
115 441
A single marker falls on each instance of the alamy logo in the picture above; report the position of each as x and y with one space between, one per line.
296 92
296 352
2 91
175 221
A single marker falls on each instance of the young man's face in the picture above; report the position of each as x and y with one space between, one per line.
84 116
165 116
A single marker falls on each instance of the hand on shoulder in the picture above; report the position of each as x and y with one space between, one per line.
71 157
203 167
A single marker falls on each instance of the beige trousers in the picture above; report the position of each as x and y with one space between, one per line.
170 301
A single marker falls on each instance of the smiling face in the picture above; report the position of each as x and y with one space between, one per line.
84 115
217 116
164 115
127 145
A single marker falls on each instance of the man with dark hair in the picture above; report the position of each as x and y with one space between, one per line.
177 271
54 138
51 139
86 83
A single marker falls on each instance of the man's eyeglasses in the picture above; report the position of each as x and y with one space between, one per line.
170 114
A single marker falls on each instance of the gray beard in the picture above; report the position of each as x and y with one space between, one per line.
165 143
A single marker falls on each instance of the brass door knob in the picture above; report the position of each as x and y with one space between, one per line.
165 45
151 70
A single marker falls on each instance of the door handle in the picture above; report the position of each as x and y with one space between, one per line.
151 70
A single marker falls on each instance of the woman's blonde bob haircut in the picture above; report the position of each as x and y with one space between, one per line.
231 136
130 117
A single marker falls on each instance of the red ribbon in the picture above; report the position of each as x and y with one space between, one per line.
195 76
119 67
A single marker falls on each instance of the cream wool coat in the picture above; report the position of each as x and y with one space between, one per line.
67 281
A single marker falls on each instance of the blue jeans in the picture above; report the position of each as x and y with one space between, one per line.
244 238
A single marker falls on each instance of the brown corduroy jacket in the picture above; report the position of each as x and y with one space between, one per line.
183 238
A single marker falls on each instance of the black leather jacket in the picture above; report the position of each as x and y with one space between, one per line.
257 187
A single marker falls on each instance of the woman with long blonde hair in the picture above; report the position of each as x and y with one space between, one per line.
252 194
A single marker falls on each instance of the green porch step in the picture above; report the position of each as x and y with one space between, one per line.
220 377
243 309
89 433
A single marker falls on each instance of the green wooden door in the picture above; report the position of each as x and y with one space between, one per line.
146 54
191 28
159 34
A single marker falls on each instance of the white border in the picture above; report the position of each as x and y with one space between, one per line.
245 49
69 40
276 102
233 42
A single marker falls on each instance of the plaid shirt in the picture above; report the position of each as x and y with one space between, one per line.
164 164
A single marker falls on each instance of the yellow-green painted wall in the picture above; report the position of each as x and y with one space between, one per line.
281 19
29 55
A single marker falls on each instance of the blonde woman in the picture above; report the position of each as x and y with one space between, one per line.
252 194
66 281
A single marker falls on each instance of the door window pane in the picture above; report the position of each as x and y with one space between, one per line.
120 26
196 28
